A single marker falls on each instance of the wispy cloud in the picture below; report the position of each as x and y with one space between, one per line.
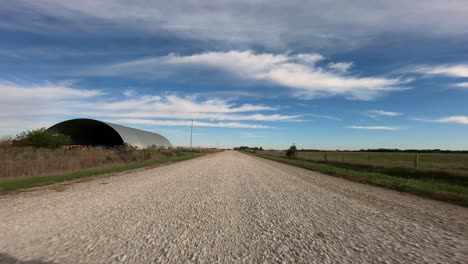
25 101
374 127
269 23
457 70
55 102
453 119
187 104
194 115
188 107
376 113
12 93
458 119
185 123
324 117
299 72
341 67
463 85
130 93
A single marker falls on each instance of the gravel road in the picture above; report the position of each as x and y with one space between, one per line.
228 208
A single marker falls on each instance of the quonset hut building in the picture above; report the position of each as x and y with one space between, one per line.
85 131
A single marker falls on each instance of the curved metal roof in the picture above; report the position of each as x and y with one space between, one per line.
140 138
86 131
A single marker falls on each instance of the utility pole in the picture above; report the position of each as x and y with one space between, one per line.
191 132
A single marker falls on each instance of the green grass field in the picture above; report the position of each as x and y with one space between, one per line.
437 184
456 164
439 176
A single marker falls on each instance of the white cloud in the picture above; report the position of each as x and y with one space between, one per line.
241 62
19 100
172 103
194 115
462 85
130 93
453 119
313 24
449 119
383 113
459 70
297 72
172 106
374 127
341 67
30 105
12 93
310 58
324 117
185 123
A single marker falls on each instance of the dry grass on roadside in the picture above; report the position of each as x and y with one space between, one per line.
23 162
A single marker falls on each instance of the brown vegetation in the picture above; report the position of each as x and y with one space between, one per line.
20 162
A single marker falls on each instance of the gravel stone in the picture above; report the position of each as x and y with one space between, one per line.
228 207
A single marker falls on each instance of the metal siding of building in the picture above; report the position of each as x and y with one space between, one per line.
140 138
132 136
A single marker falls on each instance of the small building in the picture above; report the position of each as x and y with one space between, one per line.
85 131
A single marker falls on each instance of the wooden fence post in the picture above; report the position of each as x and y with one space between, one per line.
326 159
416 161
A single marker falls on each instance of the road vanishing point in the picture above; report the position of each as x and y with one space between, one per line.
228 207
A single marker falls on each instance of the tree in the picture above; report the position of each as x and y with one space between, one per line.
291 153
42 138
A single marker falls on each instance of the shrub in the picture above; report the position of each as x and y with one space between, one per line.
291 153
42 138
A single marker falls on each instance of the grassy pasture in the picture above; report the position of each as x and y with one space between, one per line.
456 164
448 188
439 176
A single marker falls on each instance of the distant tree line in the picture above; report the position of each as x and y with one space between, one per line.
392 150
290 153
387 150
247 148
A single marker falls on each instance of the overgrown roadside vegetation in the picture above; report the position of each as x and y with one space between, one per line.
41 156
25 162
21 183
448 189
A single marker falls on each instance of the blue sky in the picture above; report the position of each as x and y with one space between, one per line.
320 74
